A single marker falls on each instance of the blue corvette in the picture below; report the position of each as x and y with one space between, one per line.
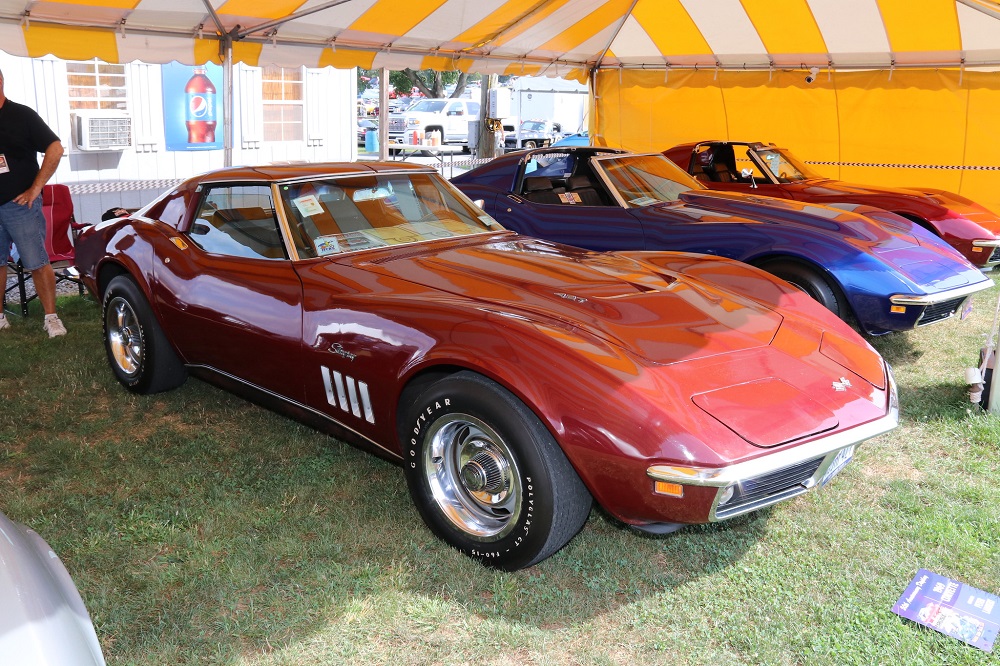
858 261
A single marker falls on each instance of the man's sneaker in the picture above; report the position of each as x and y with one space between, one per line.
3 321
53 326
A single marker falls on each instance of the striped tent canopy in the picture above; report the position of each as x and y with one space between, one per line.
569 38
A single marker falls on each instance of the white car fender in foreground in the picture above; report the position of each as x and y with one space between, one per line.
42 617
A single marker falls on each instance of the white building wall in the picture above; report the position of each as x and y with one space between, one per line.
132 177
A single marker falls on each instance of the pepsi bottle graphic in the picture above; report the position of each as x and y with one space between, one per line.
200 114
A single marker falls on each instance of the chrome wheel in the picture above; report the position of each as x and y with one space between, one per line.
472 476
125 341
486 474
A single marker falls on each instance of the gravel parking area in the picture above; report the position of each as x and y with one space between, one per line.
13 303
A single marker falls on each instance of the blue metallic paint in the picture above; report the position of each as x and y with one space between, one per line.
868 260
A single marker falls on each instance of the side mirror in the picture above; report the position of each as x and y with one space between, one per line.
199 229
748 173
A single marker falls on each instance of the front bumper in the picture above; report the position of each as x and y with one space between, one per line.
936 307
769 479
990 249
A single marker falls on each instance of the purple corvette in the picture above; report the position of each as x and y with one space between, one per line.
862 263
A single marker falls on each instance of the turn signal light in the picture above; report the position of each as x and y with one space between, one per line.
897 309
669 489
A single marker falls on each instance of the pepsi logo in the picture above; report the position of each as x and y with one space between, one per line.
199 107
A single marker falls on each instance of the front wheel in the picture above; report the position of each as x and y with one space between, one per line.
139 353
487 476
528 145
810 282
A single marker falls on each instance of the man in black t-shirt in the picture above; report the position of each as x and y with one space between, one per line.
23 134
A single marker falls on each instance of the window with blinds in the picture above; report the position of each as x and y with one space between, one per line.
283 104
96 85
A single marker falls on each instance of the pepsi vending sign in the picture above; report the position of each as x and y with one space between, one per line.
192 118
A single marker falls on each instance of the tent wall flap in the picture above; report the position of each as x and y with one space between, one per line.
926 128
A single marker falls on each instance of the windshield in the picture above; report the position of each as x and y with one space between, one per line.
783 165
338 215
533 126
428 106
644 180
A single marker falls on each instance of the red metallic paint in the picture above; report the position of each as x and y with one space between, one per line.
609 350
956 219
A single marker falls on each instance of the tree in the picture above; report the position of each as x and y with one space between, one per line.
429 82
364 78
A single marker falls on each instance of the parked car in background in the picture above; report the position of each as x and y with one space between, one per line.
515 380
364 125
400 103
578 139
43 620
532 134
765 169
860 262
448 116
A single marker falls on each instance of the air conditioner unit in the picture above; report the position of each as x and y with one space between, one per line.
103 129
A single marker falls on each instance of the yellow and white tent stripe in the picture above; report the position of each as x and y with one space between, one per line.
565 37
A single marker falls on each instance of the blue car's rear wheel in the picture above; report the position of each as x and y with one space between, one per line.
809 281
487 476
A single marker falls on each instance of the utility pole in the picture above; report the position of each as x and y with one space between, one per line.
488 127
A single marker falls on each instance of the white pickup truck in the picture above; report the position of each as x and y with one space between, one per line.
448 116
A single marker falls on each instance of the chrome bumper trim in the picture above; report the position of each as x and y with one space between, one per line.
720 477
931 299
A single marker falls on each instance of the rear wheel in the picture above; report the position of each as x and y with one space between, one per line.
139 353
920 222
487 476
809 281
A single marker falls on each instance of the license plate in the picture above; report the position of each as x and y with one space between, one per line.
966 310
839 462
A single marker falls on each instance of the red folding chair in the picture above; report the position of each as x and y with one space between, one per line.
60 224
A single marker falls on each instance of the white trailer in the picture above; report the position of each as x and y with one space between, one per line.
546 98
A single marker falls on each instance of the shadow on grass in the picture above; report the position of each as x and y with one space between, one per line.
197 523
896 348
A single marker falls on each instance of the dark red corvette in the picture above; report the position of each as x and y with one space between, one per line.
514 380
739 166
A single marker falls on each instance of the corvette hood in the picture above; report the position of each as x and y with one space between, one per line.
660 315
829 187
832 221
937 204
929 266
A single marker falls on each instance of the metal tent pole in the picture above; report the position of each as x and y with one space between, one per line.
227 102
383 114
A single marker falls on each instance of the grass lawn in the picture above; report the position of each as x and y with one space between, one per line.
203 529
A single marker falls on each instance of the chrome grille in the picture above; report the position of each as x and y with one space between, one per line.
994 256
770 488
397 124
940 311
